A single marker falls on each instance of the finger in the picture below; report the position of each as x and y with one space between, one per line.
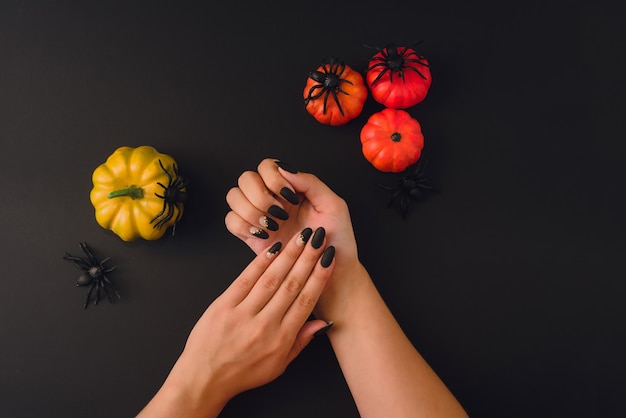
321 197
304 303
243 229
241 287
308 331
268 170
258 222
258 195
300 272
273 276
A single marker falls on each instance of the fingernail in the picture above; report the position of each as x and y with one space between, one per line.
318 237
269 223
259 233
286 167
273 250
278 212
304 237
324 329
289 195
327 257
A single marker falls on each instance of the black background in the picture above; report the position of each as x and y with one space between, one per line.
510 281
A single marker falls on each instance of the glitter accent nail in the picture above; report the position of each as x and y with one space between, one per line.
304 237
273 250
259 233
268 223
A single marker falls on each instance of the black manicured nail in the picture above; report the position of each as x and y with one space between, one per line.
278 212
327 257
259 233
318 238
323 330
274 249
286 167
288 194
269 223
304 236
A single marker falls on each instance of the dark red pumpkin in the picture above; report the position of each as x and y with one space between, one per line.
392 140
398 77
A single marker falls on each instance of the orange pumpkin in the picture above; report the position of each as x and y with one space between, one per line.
392 140
335 93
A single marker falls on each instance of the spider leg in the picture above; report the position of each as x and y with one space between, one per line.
106 285
337 101
343 68
380 64
326 93
90 256
379 76
419 61
106 292
111 285
93 284
101 263
170 213
98 286
166 172
160 213
343 80
333 67
78 262
107 270
165 218
408 67
378 59
312 96
393 198
179 214
427 187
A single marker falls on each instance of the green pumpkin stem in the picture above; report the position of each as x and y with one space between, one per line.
131 191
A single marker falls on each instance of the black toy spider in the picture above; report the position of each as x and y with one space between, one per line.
411 186
94 275
395 60
329 82
173 194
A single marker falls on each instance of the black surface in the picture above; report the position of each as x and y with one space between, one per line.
510 281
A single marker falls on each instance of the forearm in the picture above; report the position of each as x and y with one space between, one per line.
184 394
385 373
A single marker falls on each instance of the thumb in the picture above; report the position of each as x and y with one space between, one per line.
315 190
308 331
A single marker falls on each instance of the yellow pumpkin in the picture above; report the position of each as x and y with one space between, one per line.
137 193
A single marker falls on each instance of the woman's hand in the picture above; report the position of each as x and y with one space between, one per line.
275 201
248 335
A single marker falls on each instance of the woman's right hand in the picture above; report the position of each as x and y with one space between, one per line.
250 333
276 201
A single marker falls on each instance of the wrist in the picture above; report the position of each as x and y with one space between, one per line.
343 292
188 392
